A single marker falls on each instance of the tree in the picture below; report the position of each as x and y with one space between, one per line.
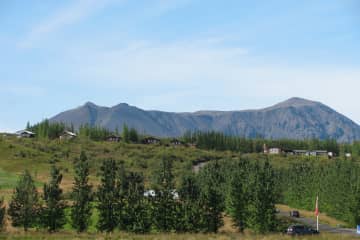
189 195
136 214
237 195
82 195
53 213
164 203
126 134
211 199
108 197
133 135
24 205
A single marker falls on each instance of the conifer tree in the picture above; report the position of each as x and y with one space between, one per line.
189 195
164 203
237 195
125 133
53 213
82 195
24 205
136 210
211 199
108 197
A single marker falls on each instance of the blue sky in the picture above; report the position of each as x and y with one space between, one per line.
176 55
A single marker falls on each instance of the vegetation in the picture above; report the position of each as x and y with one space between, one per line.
24 206
52 216
82 195
242 186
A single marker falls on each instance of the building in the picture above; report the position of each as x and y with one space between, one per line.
25 134
274 150
151 140
67 135
176 142
314 153
113 138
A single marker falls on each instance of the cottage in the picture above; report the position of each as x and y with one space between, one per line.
113 138
274 150
25 134
301 152
176 142
319 153
67 135
151 140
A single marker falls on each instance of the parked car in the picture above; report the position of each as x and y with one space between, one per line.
295 230
295 214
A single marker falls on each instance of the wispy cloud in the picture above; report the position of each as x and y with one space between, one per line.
76 12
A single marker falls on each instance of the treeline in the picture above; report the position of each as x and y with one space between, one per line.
221 142
246 192
337 183
53 130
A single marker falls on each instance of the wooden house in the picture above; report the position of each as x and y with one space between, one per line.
151 140
113 138
25 134
67 135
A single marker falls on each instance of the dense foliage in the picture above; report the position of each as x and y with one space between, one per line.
337 183
221 141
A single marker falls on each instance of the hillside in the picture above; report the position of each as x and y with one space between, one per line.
295 118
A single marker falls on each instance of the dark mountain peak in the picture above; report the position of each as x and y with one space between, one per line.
121 105
295 102
90 104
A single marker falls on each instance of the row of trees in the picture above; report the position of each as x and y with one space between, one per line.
197 205
337 183
220 141
53 130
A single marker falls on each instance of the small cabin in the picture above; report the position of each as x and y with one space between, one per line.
176 142
275 151
25 134
67 135
113 138
151 140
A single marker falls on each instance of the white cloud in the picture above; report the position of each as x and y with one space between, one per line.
77 11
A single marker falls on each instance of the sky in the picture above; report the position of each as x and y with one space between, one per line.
176 55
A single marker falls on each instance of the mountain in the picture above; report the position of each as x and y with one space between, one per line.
295 118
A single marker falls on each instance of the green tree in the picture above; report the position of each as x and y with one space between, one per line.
24 204
211 198
53 213
189 195
136 212
133 135
237 195
82 195
126 134
108 197
164 203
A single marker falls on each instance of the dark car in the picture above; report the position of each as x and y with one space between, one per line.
295 214
300 230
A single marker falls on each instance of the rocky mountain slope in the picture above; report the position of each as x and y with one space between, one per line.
295 118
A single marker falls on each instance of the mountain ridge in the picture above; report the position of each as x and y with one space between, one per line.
295 118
